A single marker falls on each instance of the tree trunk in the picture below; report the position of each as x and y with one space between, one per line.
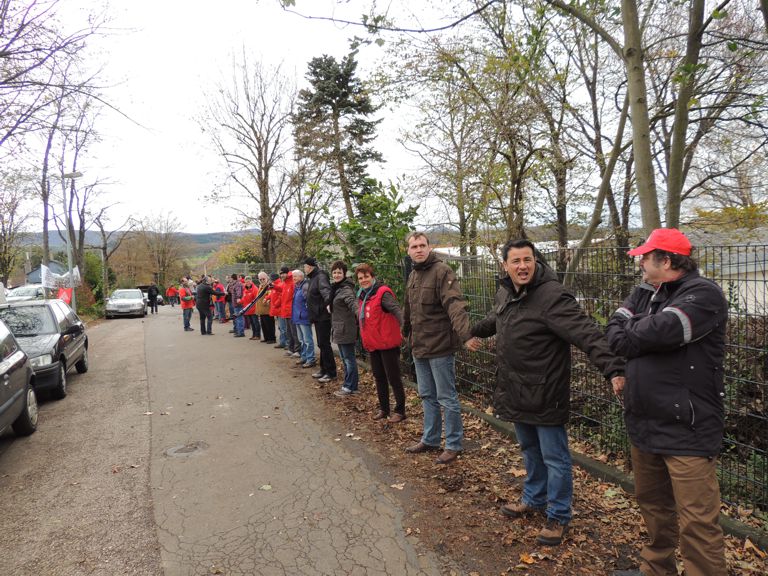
343 182
687 75
638 106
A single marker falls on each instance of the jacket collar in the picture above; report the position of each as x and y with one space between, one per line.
431 259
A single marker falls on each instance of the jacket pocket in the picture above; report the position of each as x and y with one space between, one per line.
676 407
528 391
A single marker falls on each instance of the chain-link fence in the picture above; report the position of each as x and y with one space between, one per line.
603 278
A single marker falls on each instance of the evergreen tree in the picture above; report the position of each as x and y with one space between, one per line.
333 128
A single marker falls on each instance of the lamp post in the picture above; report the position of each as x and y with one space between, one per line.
69 176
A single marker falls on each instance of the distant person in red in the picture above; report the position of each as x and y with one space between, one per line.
187 298
286 310
275 303
262 309
220 302
250 291
172 293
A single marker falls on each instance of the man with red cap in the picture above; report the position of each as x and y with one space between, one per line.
671 330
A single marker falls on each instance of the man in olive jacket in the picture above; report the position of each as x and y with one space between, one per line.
535 321
436 324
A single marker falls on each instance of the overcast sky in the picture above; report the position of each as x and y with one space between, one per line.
161 57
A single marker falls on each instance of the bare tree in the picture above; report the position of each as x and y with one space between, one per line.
165 248
15 190
110 242
248 120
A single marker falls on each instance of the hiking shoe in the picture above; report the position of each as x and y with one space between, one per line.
287 353
318 374
325 378
519 510
552 534
344 392
296 354
309 364
299 362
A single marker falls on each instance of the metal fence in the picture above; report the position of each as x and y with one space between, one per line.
603 278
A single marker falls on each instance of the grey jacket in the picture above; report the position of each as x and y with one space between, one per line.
344 313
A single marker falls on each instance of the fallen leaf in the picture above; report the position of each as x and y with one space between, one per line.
165 413
265 416
527 558
749 547
397 486
135 465
148 413
265 487
517 472
350 434
266 433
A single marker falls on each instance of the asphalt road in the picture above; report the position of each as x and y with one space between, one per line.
183 454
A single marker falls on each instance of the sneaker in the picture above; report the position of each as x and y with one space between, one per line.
310 364
318 374
239 335
278 346
344 392
287 353
299 362
520 510
552 534
296 354
326 378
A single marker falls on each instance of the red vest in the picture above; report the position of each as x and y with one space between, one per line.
378 329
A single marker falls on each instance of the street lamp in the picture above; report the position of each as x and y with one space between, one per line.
69 176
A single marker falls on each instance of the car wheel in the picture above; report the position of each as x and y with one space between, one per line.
61 388
26 423
82 365
108 317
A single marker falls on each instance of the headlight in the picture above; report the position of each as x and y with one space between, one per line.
43 360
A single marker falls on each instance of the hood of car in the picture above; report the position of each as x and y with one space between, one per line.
37 345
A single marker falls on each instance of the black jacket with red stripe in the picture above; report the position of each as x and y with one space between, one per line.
673 338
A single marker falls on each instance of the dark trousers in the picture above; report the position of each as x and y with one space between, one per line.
385 365
206 320
152 304
293 336
252 320
327 361
267 327
186 316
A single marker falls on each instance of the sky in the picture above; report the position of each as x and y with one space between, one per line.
160 57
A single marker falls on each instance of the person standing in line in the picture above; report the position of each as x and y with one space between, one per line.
203 303
220 302
381 322
535 321
250 316
237 296
262 309
436 324
672 331
300 318
152 293
292 345
275 304
228 298
172 293
343 310
187 298
318 300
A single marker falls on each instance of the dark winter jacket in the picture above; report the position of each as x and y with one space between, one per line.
152 293
435 317
344 312
534 330
674 340
318 295
204 293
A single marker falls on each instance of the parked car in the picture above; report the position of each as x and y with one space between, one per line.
53 337
26 292
18 402
126 302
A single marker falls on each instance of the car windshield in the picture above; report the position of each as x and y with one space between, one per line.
126 295
24 291
28 320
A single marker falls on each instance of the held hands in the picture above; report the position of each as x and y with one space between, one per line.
618 387
473 344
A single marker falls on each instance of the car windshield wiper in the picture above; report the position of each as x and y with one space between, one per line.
30 335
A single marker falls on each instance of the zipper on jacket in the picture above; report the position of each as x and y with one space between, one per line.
693 415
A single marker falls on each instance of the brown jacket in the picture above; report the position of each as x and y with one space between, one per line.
436 322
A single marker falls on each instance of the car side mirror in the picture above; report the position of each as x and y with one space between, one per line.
74 330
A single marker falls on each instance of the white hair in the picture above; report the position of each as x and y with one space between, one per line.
263 275
299 272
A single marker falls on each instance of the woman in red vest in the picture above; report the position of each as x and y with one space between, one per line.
250 291
380 321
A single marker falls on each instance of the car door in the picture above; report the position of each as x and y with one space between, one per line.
12 377
66 341
77 342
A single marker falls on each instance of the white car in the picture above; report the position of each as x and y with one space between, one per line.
26 292
126 302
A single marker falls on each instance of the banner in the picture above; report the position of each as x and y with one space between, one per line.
65 295
52 280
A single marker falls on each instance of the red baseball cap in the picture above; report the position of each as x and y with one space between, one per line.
667 239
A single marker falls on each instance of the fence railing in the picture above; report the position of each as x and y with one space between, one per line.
603 278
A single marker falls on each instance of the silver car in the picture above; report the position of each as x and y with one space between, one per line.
126 302
26 292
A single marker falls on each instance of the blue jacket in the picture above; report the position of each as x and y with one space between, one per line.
300 312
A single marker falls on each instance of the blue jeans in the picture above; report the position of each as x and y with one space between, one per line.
548 463
221 310
436 380
351 377
239 321
307 343
283 325
186 314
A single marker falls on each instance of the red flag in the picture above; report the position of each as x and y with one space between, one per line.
65 295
